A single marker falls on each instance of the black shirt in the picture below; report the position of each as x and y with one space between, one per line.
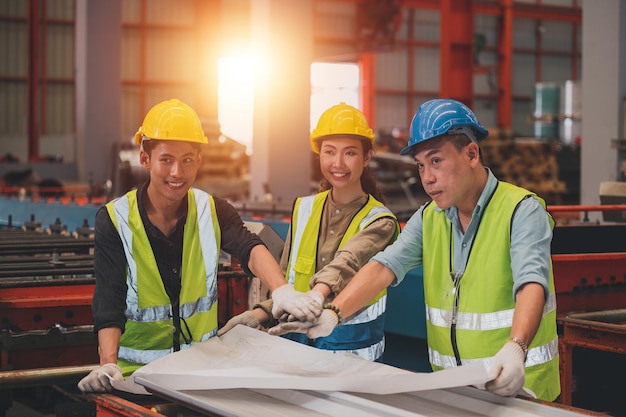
109 299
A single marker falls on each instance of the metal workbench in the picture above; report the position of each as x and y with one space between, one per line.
461 402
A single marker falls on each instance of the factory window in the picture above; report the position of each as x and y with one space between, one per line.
331 83
37 80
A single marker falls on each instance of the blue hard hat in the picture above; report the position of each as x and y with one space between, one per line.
439 117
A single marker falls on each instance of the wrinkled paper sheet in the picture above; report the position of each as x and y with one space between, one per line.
249 358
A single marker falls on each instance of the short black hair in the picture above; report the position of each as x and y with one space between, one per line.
149 144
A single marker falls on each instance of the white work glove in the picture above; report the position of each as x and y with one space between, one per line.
322 327
99 380
246 318
304 306
507 371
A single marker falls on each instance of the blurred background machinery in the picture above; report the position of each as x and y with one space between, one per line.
46 285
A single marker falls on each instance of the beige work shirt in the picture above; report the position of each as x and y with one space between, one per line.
336 267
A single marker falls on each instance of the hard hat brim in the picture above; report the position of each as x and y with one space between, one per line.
479 134
408 150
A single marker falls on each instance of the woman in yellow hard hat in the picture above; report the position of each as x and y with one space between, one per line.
157 251
335 232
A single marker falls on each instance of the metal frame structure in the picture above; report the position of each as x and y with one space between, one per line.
36 21
457 68
203 31
456 72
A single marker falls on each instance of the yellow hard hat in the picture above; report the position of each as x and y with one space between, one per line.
341 119
171 120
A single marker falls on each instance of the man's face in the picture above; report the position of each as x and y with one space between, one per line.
444 171
173 167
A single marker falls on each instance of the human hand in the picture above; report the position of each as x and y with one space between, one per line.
322 327
246 318
507 371
99 380
304 306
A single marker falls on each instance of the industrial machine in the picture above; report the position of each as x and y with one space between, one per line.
46 285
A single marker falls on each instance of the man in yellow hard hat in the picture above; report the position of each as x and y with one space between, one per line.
157 251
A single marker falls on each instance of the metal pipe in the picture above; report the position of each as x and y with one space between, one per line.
604 207
40 273
43 376
55 257
30 247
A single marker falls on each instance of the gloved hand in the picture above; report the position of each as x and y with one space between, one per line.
304 306
98 379
246 318
507 371
322 327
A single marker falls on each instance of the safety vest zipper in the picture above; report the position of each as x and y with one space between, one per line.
456 280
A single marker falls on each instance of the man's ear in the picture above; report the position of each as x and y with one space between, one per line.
144 158
472 151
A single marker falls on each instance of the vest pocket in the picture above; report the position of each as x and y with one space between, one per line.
305 265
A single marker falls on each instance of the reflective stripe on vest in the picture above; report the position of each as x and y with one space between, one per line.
490 321
485 307
536 356
370 353
302 260
302 214
369 314
484 321
366 339
149 328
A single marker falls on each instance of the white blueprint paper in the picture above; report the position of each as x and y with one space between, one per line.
249 358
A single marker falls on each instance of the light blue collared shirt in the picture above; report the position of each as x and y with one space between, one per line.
531 235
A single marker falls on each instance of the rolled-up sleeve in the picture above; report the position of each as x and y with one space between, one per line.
406 252
531 235
355 253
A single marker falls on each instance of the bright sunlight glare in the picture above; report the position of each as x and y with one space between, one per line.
236 98
331 83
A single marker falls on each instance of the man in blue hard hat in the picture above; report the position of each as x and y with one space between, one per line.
484 246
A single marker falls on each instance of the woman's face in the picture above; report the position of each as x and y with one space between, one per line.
342 161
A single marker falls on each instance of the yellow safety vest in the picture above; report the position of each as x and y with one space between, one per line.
363 333
149 327
483 296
